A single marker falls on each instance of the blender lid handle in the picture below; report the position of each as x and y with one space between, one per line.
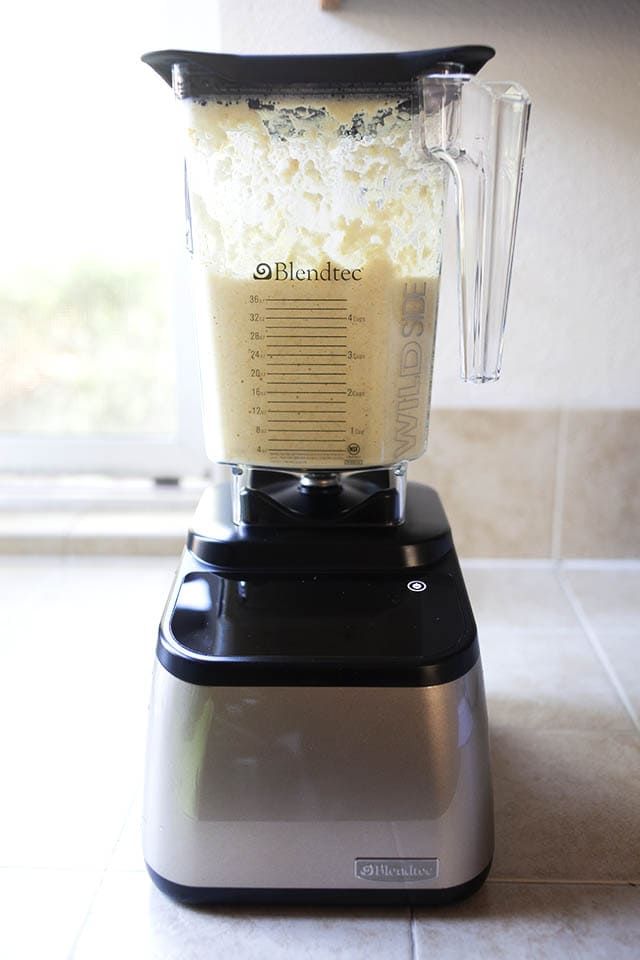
479 131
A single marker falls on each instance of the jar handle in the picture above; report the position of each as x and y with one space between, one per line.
479 131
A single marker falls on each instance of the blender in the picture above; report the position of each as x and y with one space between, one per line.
318 727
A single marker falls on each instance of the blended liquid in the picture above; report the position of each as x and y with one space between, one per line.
316 236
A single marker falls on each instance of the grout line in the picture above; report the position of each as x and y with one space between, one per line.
592 563
537 881
121 831
22 867
550 563
598 649
498 629
503 563
412 930
85 919
100 884
559 485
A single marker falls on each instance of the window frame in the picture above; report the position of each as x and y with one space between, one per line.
143 455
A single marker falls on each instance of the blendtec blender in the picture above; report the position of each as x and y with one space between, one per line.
318 726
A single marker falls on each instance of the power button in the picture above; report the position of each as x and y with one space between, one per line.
417 586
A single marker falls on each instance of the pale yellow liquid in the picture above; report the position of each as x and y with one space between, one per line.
318 374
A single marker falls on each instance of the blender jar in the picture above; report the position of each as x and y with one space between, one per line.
315 198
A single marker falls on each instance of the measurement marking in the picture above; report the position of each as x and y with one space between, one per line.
273 420
339 412
323 354
296 300
316 383
309 401
306 309
314 364
304 373
305 299
295 452
342 424
306 336
306 440
309 430
304 323
303 393
342 413
307 326
334 345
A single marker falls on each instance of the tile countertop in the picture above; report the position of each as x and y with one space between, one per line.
561 655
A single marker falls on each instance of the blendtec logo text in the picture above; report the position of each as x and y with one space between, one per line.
288 271
402 870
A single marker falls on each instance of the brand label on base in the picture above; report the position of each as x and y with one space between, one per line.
396 871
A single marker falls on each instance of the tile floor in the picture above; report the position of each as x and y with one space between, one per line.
561 650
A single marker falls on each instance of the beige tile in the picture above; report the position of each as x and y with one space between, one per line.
142 522
27 583
42 911
601 499
132 545
66 780
34 531
623 653
72 727
609 597
136 532
89 621
567 804
517 599
550 682
495 471
505 921
34 522
158 532
130 918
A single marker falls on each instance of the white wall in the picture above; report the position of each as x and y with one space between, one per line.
574 330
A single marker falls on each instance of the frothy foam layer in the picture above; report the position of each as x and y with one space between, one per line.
343 180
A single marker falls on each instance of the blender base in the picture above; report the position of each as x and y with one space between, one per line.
345 897
318 728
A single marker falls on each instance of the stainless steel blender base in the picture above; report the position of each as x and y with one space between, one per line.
318 727
327 897
321 794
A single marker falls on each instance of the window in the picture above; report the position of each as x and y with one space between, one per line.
98 366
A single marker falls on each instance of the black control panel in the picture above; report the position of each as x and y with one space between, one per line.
409 628
327 605
417 616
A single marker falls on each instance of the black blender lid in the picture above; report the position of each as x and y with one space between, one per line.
219 72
